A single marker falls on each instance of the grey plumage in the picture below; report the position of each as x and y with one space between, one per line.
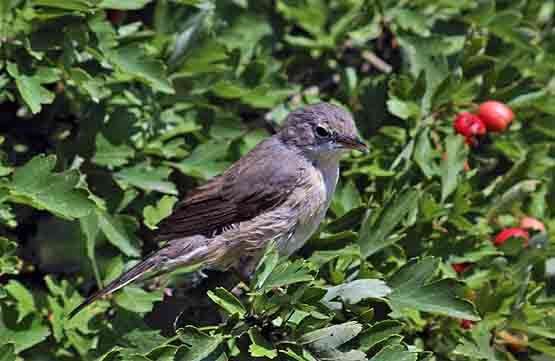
279 191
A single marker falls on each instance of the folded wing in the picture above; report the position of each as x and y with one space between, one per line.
260 181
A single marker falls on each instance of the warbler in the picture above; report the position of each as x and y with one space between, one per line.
278 192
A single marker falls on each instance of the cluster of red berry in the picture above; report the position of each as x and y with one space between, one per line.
522 231
492 116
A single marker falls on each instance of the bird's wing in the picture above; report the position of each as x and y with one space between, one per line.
260 181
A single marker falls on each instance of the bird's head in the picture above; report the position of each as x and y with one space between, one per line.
322 130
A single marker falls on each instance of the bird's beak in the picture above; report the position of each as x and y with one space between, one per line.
352 143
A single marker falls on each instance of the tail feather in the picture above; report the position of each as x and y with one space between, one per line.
133 274
179 253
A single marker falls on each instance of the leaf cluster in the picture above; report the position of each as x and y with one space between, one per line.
110 110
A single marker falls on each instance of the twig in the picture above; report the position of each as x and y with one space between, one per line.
376 61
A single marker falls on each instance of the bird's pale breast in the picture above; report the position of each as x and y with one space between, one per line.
314 201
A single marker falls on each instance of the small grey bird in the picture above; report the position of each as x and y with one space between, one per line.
278 192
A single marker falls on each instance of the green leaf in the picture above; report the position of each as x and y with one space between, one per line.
62 298
245 34
358 290
154 214
25 302
206 161
260 347
543 346
31 90
188 33
375 236
132 60
34 184
206 58
332 336
543 327
403 109
199 344
163 353
7 352
227 301
144 340
115 232
395 353
336 355
515 194
415 272
288 273
424 155
505 24
326 341
452 165
4 168
90 228
147 178
346 22
413 288
262 96
24 335
346 198
123 4
80 5
474 255
7 217
319 258
379 332
437 297
266 266
411 20
136 299
105 33
9 263
479 348
88 85
110 155
311 16
295 356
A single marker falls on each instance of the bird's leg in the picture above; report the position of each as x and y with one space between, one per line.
246 267
244 271
196 278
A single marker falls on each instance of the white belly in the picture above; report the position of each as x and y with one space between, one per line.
305 229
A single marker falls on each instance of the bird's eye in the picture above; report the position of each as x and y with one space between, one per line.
322 132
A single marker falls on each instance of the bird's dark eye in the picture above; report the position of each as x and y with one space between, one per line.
322 132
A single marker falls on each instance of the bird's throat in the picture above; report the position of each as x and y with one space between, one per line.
329 168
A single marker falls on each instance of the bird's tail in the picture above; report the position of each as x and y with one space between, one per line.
133 274
174 255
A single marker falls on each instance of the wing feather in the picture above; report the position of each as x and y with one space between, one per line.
251 186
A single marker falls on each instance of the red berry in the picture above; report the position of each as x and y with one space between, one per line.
469 125
532 224
467 324
507 233
460 267
496 115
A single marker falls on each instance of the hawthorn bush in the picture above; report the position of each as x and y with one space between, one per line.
434 248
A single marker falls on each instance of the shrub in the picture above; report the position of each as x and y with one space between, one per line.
111 109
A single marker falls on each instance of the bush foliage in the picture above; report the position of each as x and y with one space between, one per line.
111 109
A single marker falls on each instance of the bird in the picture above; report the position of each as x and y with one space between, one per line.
278 193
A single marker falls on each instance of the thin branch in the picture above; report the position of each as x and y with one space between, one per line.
376 61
